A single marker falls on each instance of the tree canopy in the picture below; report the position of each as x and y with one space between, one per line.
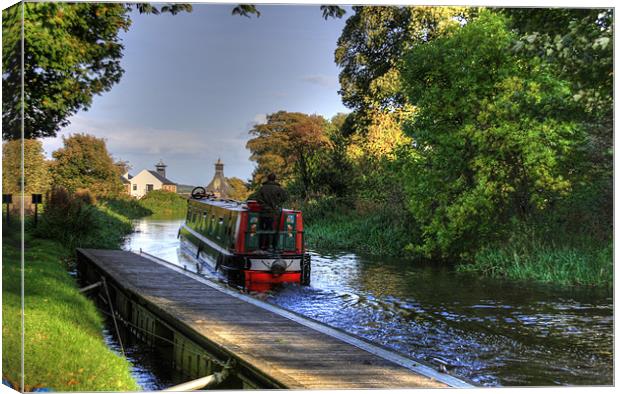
286 145
36 174
495 134
372 44
85 163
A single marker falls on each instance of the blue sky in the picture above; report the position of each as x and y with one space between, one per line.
195 83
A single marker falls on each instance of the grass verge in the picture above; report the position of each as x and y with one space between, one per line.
164 204
378 232
542 251
588 262
64 347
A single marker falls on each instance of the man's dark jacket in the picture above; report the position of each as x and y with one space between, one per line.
271 196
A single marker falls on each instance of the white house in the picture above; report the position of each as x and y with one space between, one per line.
147 180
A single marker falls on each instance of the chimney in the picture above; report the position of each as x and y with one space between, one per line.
161 168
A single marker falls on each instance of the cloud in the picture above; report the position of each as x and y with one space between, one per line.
126 141
326 81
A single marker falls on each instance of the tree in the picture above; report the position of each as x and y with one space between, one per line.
72 52
287 145
495 136
238 189
579 43
36 174
372 44
84 163
373 154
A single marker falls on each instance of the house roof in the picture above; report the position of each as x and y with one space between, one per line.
162 179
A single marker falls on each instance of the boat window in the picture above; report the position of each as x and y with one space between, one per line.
203 222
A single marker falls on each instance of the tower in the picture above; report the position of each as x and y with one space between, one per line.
161 168
219 185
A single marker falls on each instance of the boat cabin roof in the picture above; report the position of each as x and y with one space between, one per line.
230 205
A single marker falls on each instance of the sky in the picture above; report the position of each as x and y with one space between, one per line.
195 83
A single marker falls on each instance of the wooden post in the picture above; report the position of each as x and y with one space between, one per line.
7 199
36 200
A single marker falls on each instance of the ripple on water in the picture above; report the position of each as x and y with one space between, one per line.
490 331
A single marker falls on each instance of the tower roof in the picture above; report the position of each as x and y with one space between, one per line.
219 185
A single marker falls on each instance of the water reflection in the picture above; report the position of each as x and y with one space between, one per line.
492 332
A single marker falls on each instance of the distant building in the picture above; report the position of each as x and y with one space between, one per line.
219 185
147 180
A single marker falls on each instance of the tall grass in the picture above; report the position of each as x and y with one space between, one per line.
540 252
375 230
64 347
125 206
164 204
76 221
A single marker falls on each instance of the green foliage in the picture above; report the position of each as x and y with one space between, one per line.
579 42
543 253
239 189
63 344
287 145
164 203
372 44
84 162
494 136
72 52
35 168
74 222
330 224
125 206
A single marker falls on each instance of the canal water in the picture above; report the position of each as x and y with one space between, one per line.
493 332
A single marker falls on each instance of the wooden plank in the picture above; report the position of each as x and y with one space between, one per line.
282 349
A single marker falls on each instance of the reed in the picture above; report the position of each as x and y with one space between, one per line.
587 262
164 204
377 232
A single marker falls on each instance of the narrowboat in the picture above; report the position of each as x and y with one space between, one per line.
225 235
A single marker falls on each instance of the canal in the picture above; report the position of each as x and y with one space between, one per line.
493 332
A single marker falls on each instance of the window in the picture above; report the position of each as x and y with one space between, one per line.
135 186
149 187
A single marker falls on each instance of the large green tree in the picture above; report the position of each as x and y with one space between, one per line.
495 132
85 163
36 174
372 44
579 43
72 51
287 145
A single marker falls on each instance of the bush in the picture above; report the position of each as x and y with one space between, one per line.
75 222
164 203
126 206
380 230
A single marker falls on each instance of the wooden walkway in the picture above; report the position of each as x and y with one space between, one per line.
294 352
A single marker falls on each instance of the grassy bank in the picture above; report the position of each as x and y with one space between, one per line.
164 204
378 232
542 251
158 204
64 347
586 261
